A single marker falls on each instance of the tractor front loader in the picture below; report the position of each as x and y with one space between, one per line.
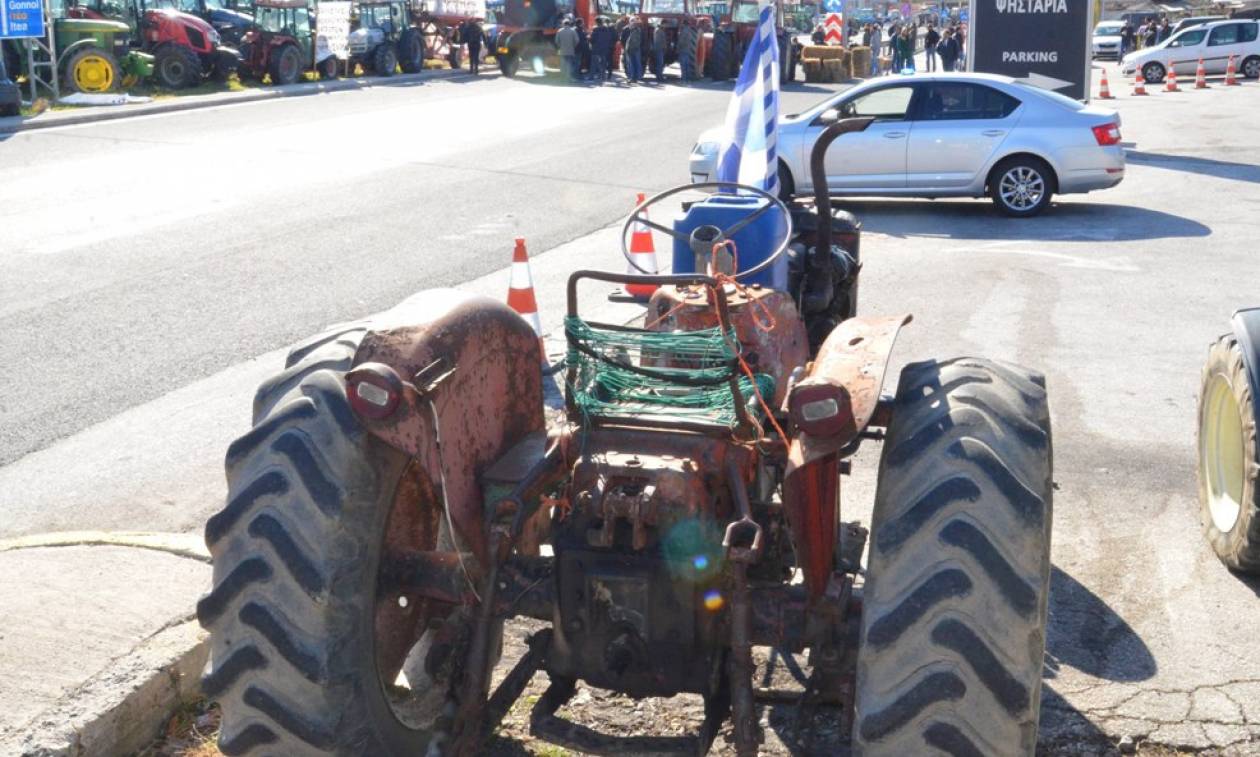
400 499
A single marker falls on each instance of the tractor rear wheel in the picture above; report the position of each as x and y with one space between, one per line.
1229 502
93 70
177 67
954 607
719 63
508 64
411 51
308 636
384 60
286 65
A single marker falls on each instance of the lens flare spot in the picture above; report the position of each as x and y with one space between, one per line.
713 600
701 562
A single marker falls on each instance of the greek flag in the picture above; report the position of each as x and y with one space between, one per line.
748 156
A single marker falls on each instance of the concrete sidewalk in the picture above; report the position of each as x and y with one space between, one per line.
88 114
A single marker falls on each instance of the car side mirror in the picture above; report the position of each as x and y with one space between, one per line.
828 117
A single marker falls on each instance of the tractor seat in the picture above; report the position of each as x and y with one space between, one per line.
664 378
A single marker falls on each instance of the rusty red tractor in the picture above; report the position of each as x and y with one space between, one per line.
401 497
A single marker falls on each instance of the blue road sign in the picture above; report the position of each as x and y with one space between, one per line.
21 18
833 6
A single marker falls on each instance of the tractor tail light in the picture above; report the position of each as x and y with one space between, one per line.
1107 134
374 390
820 408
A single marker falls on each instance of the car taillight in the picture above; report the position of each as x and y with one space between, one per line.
1107 134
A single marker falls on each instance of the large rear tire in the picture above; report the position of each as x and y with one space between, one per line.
954 607
286 65
93 70
306 639
411 51
719 62
176 67
1229 503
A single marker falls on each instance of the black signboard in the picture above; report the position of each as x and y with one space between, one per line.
1043 42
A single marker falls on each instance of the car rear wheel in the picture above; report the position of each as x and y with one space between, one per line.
1251 68
1153 72
1021 187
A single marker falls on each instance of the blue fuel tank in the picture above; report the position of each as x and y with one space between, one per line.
754 243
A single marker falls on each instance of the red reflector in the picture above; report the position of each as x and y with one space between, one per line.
1115 170
1107 134
374 390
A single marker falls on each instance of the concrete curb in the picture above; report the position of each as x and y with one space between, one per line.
122 709
12 125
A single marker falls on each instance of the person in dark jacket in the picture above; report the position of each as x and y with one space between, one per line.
583 47
947 48
603 42
473 36
930 41
819 37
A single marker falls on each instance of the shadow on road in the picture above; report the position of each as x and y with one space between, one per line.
967 220
1220 169
1084 633
1251 582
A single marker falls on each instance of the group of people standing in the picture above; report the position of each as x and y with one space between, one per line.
591 57
1150 33
902 43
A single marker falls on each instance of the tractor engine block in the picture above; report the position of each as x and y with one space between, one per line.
639 564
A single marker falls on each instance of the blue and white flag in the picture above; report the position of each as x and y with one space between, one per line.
748 155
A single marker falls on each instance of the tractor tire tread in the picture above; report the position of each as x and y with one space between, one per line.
281 613
1239 549
953 628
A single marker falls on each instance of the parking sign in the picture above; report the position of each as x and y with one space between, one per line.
1042 42
21 18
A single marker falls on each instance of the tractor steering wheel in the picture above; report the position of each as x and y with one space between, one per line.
702 239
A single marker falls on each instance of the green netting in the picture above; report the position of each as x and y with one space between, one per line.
684 375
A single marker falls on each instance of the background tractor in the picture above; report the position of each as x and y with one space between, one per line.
1229 456
228 20
400 498
385 39
525 30
94 55
185 48
281 43
736 31
671 15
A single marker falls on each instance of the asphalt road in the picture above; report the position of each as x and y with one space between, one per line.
152 269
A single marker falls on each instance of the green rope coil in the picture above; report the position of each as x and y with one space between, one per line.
684 375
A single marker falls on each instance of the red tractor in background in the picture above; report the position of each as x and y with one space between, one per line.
672 15
527 29
185 48
735 30
281 43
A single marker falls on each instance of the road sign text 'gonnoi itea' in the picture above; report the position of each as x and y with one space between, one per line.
21 18
1043 42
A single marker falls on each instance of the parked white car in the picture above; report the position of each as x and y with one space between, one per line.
1214 43
948 135
1107 39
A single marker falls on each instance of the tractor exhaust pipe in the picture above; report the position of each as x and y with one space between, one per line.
818 171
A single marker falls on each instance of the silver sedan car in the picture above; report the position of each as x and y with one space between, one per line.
949 135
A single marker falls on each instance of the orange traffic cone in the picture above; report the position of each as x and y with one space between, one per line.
521 292
1104 90
1171 86
643 253
1231 74
1139 84
1200 76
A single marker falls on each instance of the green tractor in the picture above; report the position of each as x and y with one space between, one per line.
94 55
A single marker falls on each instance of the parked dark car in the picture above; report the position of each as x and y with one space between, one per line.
10 95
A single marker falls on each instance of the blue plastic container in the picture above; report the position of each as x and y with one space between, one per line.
754 243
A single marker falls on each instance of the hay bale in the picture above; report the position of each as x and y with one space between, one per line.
860 62
814 73
835 70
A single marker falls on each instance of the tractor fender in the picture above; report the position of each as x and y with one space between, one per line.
850 366
65 55
468 371
1246 326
